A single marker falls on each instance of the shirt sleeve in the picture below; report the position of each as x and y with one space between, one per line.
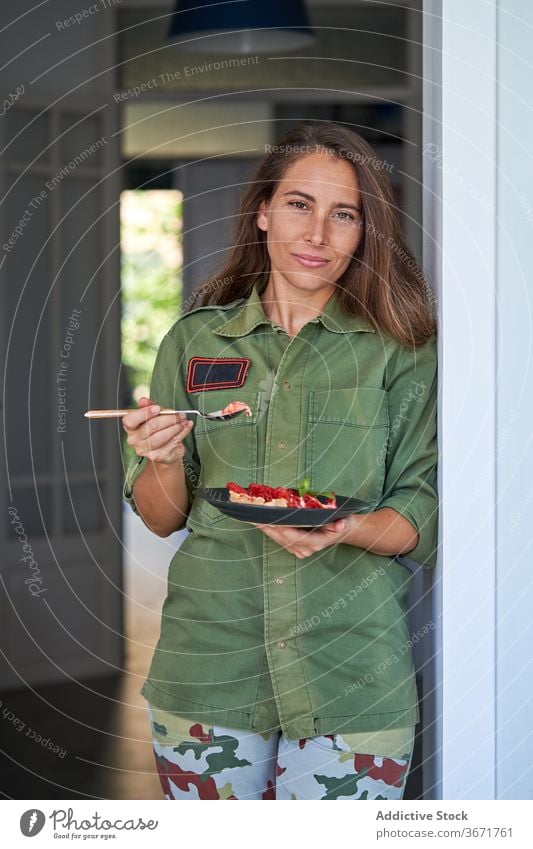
166 390
411 457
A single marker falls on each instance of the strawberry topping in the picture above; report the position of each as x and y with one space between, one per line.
235 487
291 496
311 501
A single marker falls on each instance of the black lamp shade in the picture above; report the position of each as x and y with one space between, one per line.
245 26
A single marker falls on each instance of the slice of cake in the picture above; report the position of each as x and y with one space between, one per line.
278 496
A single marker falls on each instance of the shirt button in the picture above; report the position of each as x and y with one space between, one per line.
280 581
286 384
282 444
282 644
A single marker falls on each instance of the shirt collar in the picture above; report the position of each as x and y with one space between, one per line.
252 314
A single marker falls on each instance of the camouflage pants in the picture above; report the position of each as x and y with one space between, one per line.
196 761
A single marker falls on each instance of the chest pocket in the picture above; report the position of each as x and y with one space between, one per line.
227 450
347 441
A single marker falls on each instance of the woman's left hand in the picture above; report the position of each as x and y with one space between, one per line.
303 542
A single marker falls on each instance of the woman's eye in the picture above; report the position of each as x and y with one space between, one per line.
346 216
342 215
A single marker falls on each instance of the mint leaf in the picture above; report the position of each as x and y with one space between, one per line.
327 494
303 486
303 489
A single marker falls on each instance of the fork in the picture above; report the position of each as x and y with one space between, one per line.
164 411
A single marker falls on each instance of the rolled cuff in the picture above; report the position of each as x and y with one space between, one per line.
135 468
424 522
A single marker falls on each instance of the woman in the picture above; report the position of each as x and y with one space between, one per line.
284 669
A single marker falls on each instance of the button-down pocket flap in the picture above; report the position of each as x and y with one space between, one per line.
363 406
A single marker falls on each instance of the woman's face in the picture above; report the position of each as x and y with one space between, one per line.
313 222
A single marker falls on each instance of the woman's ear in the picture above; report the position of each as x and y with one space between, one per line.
261 219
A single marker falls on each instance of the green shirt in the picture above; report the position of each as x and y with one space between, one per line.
251 636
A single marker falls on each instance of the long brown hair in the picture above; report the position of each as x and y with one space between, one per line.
383 282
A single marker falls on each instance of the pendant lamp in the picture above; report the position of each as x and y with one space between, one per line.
240 26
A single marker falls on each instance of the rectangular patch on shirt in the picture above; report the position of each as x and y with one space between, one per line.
204 373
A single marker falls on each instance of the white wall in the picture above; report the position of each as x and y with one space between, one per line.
514 414
478 182
460 182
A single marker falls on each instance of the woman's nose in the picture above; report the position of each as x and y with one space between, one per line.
317 230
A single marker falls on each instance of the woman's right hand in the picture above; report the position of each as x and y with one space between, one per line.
158 438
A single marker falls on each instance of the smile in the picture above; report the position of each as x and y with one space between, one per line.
310 261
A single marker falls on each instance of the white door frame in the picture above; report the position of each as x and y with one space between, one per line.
459 174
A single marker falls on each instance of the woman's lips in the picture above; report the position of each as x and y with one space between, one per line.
310 261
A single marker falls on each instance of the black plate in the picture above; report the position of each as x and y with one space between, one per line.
299 517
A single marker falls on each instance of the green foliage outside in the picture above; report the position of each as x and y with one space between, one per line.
151 282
